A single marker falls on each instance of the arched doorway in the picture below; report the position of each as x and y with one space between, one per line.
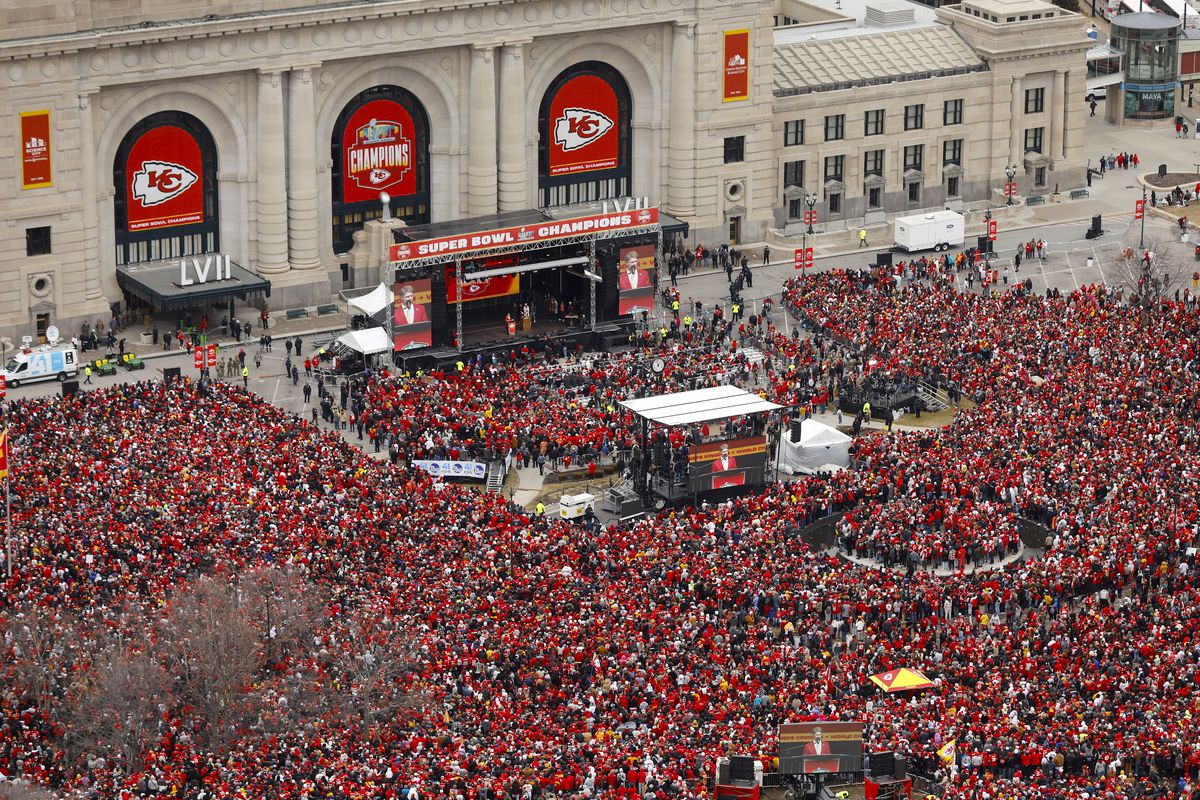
380 143
165 175
585 137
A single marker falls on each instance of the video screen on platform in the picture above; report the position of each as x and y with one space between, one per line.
411 316
634 279
733 462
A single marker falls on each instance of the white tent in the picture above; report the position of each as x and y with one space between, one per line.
366 341
820 449
373 302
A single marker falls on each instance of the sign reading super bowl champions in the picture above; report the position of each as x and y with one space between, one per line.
378 147
737 65
164 180
584 126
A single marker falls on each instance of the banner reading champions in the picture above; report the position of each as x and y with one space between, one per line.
584 125
377 152
164 180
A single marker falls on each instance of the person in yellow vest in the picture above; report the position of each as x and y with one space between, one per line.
541 509
461 366
687 321
862 237
87 374
246 377
675 307
866 410
737 311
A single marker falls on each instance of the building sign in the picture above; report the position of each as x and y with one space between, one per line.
35 149
164 183
451 246
584 125
737 65
377 152
214 268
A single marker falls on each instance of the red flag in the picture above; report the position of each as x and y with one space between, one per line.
4 453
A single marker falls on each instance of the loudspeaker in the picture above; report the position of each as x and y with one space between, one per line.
883 764
1096 222
901 770
883 259
741 768
983 244
69 388
171 374
796 430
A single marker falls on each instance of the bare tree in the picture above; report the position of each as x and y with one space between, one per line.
211 653
373 658
23 791
43 644
288 609
1148 282
117 708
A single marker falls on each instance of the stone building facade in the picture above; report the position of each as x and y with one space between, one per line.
262 131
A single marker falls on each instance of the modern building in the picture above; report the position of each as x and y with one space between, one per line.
141 134
1149 47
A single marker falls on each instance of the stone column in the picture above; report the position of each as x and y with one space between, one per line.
271 194
1064 114
681 197
1015 129
481 142
302 222
514 178
1056 104
87 199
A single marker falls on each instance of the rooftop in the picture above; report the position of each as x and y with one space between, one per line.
863 57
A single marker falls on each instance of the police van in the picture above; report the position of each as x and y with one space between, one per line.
43 363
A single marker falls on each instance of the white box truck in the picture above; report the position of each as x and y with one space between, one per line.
939 230
42 363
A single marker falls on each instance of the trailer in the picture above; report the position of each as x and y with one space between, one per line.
939 230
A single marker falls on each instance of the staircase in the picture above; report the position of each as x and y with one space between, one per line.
495 477
933 399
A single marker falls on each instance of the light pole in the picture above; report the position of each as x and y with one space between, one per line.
1142 235
987 254
810 200
1009 189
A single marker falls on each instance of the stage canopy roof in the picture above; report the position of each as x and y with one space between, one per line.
699 405
366 341
373 302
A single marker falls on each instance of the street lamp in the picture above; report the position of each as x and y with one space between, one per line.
1142 235
1011 172
810 200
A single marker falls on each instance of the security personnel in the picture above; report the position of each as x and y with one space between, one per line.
675 307
866 410
461 366
541 509
87 373
737 311
687 321
246 377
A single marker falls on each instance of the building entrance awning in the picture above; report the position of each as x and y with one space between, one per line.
189 282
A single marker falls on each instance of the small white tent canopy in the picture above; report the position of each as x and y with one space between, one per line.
373 302
366 341
820 449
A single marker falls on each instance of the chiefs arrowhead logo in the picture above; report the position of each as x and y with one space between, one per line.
644 217
159 181
475 287
579 127
378 176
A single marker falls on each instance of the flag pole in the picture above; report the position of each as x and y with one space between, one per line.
8 559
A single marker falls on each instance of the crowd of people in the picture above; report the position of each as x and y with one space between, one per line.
622 660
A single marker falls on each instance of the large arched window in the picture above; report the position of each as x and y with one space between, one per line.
165 176
585 143
380 144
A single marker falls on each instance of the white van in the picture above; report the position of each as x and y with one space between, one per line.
32 364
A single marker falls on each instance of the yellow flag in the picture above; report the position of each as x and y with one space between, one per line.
948 752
